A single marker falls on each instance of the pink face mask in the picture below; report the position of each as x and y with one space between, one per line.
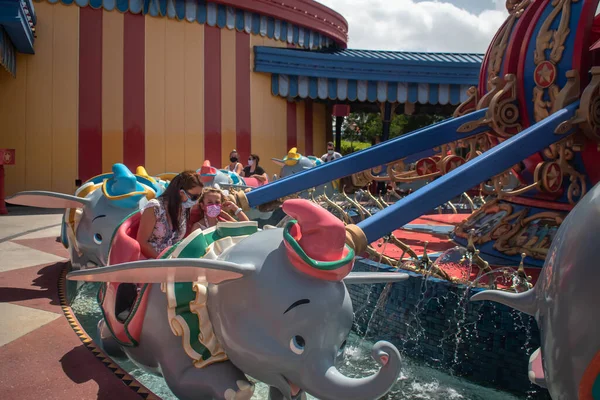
213 210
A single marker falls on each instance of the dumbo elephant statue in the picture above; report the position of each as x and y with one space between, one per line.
94 212
295 163
224 179
160 181
270 303
565 303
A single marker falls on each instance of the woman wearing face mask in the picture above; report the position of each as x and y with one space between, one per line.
235 165
164 220
253 170
213 207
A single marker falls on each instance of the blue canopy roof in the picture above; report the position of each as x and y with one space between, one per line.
17 27
365 75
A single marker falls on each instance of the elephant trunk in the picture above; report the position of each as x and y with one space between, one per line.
333 385
525 302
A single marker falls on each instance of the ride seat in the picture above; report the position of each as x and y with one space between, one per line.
124 246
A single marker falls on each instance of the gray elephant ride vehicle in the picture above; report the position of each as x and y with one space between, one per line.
233 301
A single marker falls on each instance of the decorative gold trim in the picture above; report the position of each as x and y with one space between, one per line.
553 40
570 93
504 111
356 238
587 117
89 344
241 200
502 244
502 114
468 105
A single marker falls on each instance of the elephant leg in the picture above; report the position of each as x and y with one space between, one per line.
108 342
275 394
222 381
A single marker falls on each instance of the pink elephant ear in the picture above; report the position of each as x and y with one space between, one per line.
316 241
171 270
42 199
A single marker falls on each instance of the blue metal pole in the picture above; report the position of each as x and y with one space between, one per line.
382 153
490 163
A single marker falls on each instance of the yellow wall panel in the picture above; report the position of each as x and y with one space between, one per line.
12 128
319 138
112 89
268 115
155 95
228 92
38 173
174 95
301 127
65 98
194 96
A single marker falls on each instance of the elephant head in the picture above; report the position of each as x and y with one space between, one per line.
295 163
220 178
278 304
94 212
564 303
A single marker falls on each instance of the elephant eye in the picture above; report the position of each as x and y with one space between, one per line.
98 238
297 344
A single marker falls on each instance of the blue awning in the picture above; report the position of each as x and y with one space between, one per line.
17 17
373 76
213 14
371 91
8 57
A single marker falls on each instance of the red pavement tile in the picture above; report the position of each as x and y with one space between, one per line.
47 245
34 287
51 363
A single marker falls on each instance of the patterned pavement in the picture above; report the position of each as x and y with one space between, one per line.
40 355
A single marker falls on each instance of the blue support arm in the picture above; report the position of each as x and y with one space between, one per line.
382 153
491 163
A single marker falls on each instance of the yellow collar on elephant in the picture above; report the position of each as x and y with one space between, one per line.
187 309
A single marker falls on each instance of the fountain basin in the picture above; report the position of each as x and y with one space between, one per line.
431 321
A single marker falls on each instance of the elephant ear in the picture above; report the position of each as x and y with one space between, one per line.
170 270
356 278
42 199
279 162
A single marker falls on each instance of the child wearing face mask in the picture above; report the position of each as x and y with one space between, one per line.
214 208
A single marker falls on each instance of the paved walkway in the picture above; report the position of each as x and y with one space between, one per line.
40 354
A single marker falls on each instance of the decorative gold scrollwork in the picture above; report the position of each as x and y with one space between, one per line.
505 113
550 176
532 235
545 73
587 117
498 47
468 105
517 7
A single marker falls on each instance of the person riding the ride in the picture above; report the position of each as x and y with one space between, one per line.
235 165
164 220
214 208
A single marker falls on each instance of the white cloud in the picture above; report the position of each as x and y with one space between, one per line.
410 25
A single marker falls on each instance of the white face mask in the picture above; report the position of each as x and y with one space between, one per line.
329 151
250 162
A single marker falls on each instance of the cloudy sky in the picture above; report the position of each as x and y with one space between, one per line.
421 25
